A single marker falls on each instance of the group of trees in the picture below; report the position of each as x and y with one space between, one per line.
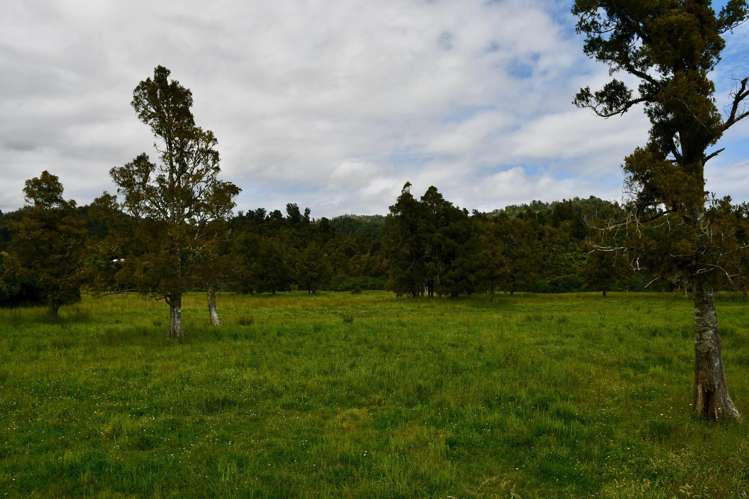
273 251
424 247
435 248
431 245
170 227
158 237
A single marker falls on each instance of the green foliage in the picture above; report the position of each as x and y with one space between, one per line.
263 264
177 202
404 245
47 247
537 396
539 247
312 268
671 48
432 246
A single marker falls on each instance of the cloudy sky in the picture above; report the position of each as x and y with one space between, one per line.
333 105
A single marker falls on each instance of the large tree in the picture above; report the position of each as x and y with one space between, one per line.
174 199
404 245
670 49
48 241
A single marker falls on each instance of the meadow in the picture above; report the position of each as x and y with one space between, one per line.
366 395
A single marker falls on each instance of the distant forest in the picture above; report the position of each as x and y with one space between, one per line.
424 246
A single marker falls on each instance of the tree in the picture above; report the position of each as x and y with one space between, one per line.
670 47
112 237
9 287
451 244
492 260
522 252
174 199
215 261
263 263
605 267
312 268
602 270
47 243
432 245
405 246
742 214
216 265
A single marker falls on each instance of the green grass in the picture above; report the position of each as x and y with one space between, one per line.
343 395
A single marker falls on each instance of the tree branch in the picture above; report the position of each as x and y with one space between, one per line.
713 154
641 74
615 112
734 117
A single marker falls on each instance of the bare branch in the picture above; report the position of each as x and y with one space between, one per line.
606 249
712 268
738 96
642 75
651 282
713 154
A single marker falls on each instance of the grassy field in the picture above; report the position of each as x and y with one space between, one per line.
343 395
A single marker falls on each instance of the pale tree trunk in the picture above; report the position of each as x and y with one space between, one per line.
212 310
711 398
175 312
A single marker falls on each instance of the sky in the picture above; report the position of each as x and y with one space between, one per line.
331 105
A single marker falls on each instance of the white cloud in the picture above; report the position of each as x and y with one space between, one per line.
333 105
729 180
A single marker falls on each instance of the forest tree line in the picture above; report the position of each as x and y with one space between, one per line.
425 246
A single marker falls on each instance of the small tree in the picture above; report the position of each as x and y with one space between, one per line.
602 270
217 264
48 242
671 47
312 268
605 266
174 199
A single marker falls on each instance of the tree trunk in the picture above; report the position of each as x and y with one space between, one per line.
711 398
53 309
175 322
212 310
605 293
